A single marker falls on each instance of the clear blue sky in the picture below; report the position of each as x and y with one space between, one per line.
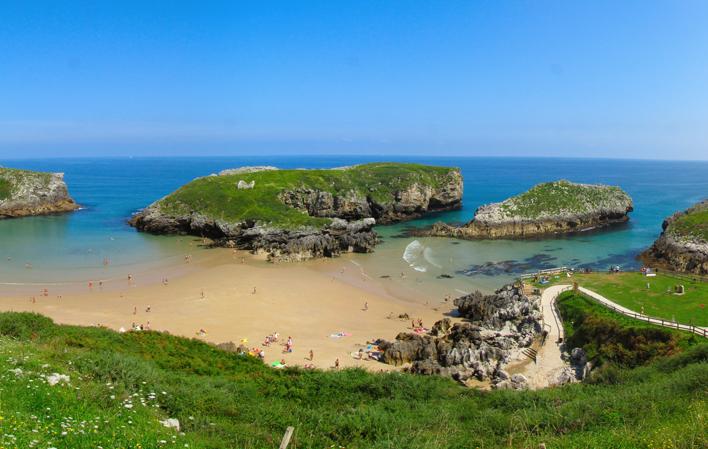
530 78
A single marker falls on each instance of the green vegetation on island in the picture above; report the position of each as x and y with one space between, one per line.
217 197
562 197
12 180
24 193
559 207
121 386
693 224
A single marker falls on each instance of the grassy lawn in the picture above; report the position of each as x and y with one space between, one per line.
122 385
217 196
630 290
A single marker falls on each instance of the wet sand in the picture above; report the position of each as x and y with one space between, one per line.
307 301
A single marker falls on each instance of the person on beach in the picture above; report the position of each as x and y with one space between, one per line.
336 364
254 291
147 309
130 278
312 355
203 294
135 310
366 306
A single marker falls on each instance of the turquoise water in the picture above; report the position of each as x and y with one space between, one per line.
72 247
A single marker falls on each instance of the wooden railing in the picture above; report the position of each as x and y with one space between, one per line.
546 271
702 331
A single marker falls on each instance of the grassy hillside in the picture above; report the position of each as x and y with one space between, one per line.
563 196
11 179
693 224
121 385
630 290
610 337
217 196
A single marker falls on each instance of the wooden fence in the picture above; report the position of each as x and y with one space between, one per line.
702 331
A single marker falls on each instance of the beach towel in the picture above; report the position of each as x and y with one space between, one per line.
340 335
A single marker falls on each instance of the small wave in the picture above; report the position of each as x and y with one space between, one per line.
413 252
428 256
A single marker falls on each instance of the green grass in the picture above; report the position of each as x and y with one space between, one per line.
11 178
235 401
5 189
218 198
561 196
630 290
608 336
693 224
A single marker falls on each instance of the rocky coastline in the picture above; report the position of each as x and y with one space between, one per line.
679 249
559 207
347 217
25 193
496 328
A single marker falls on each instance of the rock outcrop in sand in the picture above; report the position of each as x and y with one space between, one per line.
24 193
551 208
301 214
497 327
683 243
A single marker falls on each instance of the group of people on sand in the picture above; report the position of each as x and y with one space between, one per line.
272 338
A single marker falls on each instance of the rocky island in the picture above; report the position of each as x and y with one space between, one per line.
25 193
550 208
300 214
683 243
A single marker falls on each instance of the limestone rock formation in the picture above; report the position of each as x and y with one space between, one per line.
683 243
497 325
25 193
551 208
301 214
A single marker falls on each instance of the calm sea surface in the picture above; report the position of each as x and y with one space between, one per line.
72 247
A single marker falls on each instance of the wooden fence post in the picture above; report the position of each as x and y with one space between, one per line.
286 438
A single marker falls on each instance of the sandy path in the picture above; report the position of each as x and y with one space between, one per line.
548 361
306 302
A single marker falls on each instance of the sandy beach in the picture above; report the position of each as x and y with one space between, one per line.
237 297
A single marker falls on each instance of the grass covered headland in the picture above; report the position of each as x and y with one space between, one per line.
218 198
693 224
562 197
12 180
120 386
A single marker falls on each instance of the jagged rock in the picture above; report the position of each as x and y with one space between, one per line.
681 245
24 193
546 209
499 324
578 356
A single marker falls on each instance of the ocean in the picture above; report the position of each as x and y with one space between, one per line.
73 247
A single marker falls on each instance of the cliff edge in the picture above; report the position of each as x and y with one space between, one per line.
25 193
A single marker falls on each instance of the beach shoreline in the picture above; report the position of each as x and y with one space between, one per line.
237 297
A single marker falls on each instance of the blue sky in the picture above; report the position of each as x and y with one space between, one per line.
528 78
